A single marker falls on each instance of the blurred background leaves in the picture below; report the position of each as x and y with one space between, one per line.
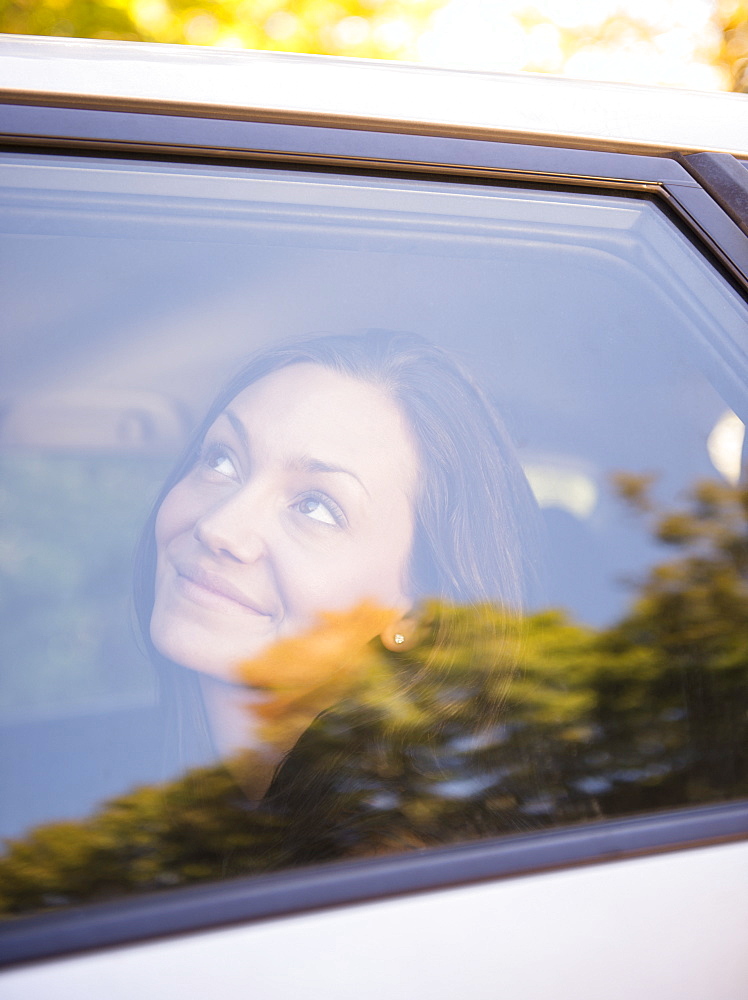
384 29
699 44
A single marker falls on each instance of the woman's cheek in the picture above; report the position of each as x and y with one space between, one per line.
341 584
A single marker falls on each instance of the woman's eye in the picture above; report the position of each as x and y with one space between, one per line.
320 509
217 458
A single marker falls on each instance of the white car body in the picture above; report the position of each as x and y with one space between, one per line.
666 919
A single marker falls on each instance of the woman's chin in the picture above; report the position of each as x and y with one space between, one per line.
206 659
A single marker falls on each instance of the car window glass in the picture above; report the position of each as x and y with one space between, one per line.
392 610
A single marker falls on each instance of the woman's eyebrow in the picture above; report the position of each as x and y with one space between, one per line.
307 464
303 464
239 428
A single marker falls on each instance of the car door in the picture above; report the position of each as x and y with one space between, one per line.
585 835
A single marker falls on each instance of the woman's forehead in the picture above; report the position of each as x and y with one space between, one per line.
313 412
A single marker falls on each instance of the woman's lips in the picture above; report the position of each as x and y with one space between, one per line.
213 591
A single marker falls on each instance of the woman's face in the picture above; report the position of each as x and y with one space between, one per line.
301 502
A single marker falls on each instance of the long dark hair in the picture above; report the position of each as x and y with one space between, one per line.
473 540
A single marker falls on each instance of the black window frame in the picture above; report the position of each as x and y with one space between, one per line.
676 181
702 193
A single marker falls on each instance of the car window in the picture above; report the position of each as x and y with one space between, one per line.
347 515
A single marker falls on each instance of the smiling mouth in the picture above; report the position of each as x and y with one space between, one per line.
214 592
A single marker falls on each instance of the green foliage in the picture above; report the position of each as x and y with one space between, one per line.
82 18
491 724
369 28
732 19
391 29
199 827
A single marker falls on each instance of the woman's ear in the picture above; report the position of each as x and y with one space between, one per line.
401 635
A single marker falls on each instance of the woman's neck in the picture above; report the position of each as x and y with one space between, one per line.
247 732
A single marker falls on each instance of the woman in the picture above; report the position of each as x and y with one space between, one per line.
334 485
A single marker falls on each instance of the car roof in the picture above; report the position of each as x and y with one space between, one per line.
373 94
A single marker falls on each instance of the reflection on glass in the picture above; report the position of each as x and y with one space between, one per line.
338 670
333 485
725 446
364 714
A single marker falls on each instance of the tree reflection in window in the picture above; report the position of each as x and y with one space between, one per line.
516 723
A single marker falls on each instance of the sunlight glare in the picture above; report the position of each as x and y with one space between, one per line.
656 42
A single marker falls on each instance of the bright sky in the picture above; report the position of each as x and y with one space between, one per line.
636 41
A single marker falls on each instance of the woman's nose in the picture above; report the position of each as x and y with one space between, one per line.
234 529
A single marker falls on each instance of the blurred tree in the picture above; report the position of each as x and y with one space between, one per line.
668 46
490 724
691 45
367 28
493 723
645 47
689 621
199 827
732 18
